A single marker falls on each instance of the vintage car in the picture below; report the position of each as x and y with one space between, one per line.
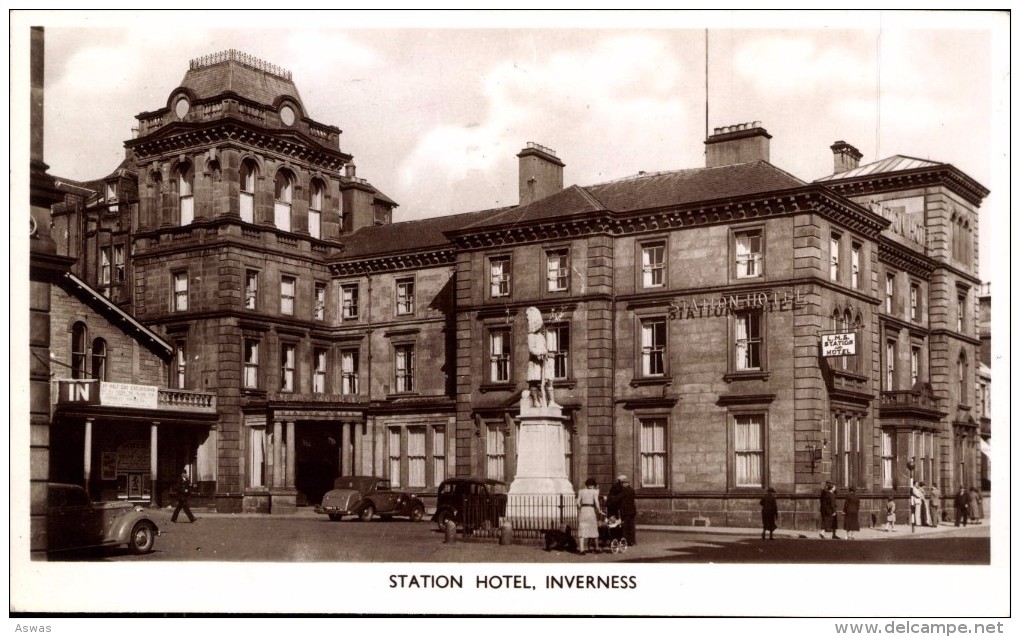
471 502
366 497
73 521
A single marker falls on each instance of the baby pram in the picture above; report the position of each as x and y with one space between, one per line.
611 535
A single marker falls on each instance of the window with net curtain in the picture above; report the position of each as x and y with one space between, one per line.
438 454
749 450
888 459
315 210
653 452
499 355
749 253
653 347
404 367
185 188
349 372
495 453
257 457
747 341
283 193
416 457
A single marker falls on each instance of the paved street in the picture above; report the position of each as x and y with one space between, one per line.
306 537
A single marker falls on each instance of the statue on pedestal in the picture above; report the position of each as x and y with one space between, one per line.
540 370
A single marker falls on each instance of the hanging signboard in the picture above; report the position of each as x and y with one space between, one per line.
841 344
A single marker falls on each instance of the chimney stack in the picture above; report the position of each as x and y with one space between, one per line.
844 157
350 171
737 144
540 174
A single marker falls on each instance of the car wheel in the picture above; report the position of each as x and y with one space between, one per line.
442 518
335 517
417 513
143 537
367 513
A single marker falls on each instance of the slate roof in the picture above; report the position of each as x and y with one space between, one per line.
233 76
896 163
408 236
641 191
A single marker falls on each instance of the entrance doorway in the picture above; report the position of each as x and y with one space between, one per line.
317 451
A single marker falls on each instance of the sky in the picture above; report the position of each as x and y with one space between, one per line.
434 109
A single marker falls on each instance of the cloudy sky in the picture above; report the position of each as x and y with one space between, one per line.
435 108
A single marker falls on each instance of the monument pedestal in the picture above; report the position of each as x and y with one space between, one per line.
540 495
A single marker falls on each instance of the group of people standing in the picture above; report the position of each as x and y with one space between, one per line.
620 504
925 507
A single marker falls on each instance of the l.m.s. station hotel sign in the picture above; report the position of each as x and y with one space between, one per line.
724 304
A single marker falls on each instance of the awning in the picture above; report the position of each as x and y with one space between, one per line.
986 448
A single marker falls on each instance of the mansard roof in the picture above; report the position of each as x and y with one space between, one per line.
244 75
899 172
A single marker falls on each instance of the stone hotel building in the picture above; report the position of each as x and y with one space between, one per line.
716 330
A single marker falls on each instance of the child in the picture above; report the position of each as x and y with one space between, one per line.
890 514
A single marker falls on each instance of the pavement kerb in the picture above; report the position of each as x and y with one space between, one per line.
902 530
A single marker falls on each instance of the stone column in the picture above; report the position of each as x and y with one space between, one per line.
277 454
88 453
346 460
291 459
154 464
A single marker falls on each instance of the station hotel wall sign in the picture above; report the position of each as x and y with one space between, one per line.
767 301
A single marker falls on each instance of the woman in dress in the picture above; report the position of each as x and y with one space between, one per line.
769 513
587 515
851 513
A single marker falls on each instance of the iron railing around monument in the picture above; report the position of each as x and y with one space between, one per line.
530 516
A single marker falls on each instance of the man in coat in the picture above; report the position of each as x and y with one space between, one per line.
827 510
613 498
962 503
183 491
628 510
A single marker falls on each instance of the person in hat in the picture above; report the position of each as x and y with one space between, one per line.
613 498
851 513
183 491
827 510
628 510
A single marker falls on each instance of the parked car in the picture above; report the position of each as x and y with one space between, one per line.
471 502
73 521
366 497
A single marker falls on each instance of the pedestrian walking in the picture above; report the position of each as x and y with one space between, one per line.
587 516
183 491
916 498
974 505
890 514
628 510
961 503
827 510
925 518
851 513
935 504
769 513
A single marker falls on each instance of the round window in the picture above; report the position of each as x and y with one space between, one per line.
182 107
287 115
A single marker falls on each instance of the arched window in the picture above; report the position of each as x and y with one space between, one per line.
315 209
848 321
283 193
185 193
247 191
99 359
79 350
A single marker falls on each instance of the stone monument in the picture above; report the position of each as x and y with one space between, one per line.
540 486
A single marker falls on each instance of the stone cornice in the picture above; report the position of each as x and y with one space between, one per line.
811 198
392 262
163 241
905 259
176 137
942 175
